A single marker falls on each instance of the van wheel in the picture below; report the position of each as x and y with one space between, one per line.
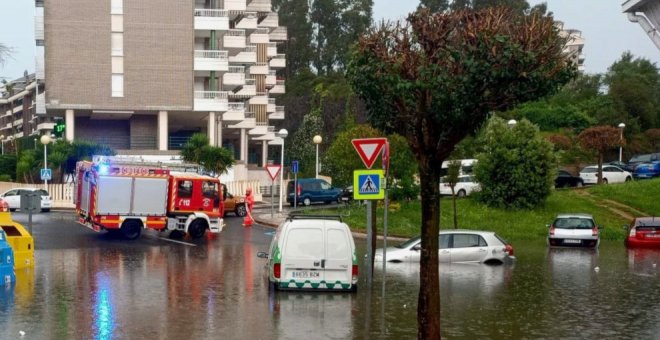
579 184
197 228
604 180
131 229
307 201
241 210
461 193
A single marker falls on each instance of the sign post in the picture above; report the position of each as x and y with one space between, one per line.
385 158
273 170
294 169
369 186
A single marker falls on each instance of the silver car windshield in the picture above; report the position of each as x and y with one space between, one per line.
409 243
574 223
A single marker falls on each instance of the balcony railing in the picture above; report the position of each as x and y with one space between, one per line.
219 95
211 60
211 100
211 19
236 107
211 54
216 13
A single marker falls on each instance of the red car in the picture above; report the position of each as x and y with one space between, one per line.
644 232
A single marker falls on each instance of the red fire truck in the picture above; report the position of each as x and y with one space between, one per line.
125 198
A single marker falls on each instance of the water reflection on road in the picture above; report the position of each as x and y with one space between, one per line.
216 288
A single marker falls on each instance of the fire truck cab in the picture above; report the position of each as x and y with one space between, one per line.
126 198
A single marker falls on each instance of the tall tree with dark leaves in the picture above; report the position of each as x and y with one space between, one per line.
437 79
294 14
356 19
434 5
326 24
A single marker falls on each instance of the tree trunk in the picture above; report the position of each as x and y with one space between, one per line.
428 304
600 169
453 202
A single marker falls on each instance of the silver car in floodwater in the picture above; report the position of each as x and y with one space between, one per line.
573 230
456 246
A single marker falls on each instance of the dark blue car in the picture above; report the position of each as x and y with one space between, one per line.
647 170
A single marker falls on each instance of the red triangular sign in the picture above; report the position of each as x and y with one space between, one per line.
273 170
368 149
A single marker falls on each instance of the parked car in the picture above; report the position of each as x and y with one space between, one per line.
645 158
235 204
564 179
466 166
611 174
13 198
644 232
622 165
647 170
465 185
456 246
310 190
312 252
347 194
574 230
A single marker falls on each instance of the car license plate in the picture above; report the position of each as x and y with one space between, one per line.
305 274
344 198
573 241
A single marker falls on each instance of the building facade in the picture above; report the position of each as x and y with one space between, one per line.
574 44
143 76
646 13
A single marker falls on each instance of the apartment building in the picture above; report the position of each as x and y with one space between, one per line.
646 13
19 114
574 44
143 76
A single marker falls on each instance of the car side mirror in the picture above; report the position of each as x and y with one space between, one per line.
416 247
262 255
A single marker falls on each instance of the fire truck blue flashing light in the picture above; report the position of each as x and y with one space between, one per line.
104 169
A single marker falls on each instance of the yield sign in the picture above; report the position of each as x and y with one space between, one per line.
368 149
273 170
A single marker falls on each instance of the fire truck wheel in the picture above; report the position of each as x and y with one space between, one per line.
241 210
197 228
131 229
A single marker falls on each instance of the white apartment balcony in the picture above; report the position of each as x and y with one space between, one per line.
271 105
233 39
235 5
45 126
234 78
19 135
259 36
259 130
278 34
271 20
6 127
271 79
278 88
41 103
211 60
260 98
211 101
211 19
258 6
271 50
235 112
248 21
278 114
259 68
39 26
250 122
17 109
18 122
247 56
267 137
246 91
279 61
39 62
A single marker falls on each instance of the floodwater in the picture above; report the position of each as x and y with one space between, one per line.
92 286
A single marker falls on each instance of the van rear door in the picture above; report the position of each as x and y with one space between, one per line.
302 257
339 259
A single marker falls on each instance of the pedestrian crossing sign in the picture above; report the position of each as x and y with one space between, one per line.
369 184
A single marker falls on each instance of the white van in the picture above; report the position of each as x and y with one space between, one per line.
312 252
466 166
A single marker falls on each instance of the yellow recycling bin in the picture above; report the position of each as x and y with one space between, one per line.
18 238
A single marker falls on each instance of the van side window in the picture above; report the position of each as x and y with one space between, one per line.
325 186
184 188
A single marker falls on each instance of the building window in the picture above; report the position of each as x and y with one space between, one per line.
117 85
117 7
117 44
39 3
40 42
117 65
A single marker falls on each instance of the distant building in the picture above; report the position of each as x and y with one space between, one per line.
143 76
574 44
19 116
647 14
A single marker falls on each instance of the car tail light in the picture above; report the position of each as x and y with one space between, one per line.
508 249
633 232
4 207
594 231
355 273
552 230
298 189
277 271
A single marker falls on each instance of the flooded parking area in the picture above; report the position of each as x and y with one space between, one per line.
93 286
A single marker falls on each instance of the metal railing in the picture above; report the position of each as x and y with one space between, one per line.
236 106
236 69
235 33
212 54
205 12
211 95
250 115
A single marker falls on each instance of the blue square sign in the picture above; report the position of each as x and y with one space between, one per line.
46 174
369 184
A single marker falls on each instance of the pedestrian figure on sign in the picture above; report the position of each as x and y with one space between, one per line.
248 221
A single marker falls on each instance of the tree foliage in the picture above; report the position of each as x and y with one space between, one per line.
435 80
294 13
302 146
212 158
518 166
600 139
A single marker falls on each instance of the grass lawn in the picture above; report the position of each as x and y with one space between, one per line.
642 196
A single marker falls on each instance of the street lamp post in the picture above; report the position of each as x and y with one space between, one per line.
45 139
282 134
2 140
317 140
621 126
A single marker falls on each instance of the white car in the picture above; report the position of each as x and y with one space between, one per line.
13 198
465 186
456 246
574 230
611 174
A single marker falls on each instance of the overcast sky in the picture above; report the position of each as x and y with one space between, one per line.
607 31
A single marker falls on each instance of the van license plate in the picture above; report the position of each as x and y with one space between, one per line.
305 274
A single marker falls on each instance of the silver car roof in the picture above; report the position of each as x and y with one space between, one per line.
580 215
